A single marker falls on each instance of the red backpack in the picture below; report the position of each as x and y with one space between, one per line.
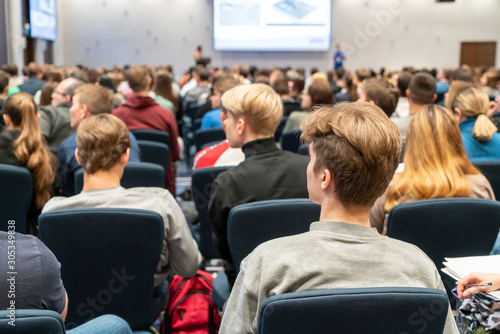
190 307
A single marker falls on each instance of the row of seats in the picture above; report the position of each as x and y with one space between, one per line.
86 238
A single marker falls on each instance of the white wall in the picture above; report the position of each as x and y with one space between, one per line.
390 33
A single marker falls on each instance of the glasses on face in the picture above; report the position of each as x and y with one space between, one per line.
55 91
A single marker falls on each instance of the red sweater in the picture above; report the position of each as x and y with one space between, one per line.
142 112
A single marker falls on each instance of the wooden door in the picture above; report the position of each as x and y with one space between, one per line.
478 53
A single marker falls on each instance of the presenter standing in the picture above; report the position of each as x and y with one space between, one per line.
338 57
197 55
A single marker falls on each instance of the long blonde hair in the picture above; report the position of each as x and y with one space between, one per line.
436 164
28 147
473 102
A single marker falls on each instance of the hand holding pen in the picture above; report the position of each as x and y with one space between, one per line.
476 282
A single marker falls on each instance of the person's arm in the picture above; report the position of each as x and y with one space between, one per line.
218 212
184 257
45 122
135 150
477 278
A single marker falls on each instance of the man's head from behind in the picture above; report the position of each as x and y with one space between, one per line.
138 78
222 84
356 146
253 111
422 89
89 100
102 143
65 90
380 93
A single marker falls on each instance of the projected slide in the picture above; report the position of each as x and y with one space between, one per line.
43 19
272 25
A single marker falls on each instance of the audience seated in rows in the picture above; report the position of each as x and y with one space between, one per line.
421 91
163 91
88 100
253 113
435 166
479 134
142 112
354 152
103 151
317 94
21 144
55 119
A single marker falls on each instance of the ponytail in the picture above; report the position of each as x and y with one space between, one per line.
28 147
483 128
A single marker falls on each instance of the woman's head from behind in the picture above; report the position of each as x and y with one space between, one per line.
433 138
472 102
20 111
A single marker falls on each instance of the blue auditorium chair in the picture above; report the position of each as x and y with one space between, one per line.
108 259
290 141
155 152
491 169
361 310
152 135
251 224
204 136
447 227
201 184
135 174
32 321
16 197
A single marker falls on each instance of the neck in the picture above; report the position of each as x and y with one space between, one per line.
101 180
142 93
338 212
415 107
253 136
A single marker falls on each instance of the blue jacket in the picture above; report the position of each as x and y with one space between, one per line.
68 164
479 150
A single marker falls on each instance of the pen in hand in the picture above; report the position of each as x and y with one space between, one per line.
472 285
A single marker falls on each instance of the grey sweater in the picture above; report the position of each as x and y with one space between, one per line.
331 255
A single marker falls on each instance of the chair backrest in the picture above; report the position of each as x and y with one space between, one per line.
135 174
16 197
491 169
290 141
108 256
251 224
204 136
303 149
363 310
152 135
201 184
442 227
32 321
155 152
279 129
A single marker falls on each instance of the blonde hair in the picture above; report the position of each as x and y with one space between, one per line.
29 148
436 164
101 140
96 98
319 77
473 102
259 104
360 147
456 87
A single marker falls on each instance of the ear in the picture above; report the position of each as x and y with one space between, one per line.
77 157
408 94
458 114
38 116
124 157
372 102
85 111
326 179
434 97
241 125
7 121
